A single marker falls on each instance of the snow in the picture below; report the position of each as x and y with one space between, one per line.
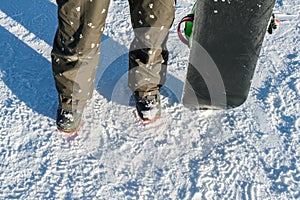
251 152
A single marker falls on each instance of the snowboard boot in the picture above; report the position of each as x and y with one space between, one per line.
68 121
148 107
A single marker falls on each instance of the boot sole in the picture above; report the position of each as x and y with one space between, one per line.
72 131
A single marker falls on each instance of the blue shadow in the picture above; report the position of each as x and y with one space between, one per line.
38 16
27 74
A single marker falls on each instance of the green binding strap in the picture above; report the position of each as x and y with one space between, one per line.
188 27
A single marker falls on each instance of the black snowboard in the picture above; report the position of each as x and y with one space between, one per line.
226 42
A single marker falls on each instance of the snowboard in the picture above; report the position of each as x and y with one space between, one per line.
224 48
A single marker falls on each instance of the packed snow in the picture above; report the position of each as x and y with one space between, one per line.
250 152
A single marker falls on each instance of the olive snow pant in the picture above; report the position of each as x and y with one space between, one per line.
76 47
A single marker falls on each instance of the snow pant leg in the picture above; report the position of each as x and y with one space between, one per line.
148 56
76 50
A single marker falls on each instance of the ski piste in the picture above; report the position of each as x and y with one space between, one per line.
225 46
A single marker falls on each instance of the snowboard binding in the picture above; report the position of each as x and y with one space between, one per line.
188 27
274 23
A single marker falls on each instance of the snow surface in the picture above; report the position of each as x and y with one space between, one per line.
251 152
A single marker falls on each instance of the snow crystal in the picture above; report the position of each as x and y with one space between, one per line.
91 25
297 87
150 114
69 116
297 125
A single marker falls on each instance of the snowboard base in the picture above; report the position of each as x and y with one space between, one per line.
226 43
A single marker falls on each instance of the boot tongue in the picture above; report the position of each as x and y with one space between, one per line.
150 98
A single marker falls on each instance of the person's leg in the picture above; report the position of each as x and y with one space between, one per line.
148 55
76 50
75 56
